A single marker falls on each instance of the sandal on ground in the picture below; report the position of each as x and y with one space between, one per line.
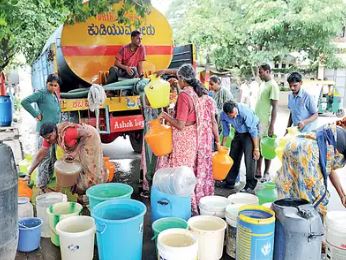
266 177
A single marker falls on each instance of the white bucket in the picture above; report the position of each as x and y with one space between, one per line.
210 233
213 206
243 198
232 211
334 253
177 244
77 236
336 234
42 203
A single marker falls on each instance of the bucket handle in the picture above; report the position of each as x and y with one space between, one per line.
103 228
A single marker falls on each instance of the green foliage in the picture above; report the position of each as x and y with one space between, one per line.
25 25
244 33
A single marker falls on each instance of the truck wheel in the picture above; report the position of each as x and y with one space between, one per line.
136 139
340 113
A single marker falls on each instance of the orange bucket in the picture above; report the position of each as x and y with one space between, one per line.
221 163
159 138
23 189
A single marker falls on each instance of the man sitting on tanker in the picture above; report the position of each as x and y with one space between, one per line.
129 60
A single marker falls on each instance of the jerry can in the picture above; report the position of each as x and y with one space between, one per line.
157 92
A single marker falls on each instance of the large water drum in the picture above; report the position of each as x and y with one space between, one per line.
8 204
5 111
255 233
298 230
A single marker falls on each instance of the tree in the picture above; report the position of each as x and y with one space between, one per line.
243 33
25 25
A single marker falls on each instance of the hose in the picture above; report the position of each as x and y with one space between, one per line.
136 84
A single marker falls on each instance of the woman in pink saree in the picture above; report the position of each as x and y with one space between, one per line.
194 131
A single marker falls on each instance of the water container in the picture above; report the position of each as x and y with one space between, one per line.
159 138
29 234
231 232
179 181
255 233
8 203
119 229
77 235
157 92
43 201
23 188
168 205
268 146
243 198
167 223
298 230
291 133
221 163
67 172
213 206
267 193
177 244
25 208
106 191
210 234
229 138
59 211
336 235
5 111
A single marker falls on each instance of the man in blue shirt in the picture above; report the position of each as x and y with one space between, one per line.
303 109
245 141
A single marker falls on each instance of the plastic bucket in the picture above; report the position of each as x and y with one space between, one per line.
210 233
77 235
268 146
336 234
213 206
105 191
119 229
42 203
59 211
335 253
29 234
231 233
177 244
243 198
168 205
167 223
255 233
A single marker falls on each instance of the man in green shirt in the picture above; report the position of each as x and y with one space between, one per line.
266 110
48 111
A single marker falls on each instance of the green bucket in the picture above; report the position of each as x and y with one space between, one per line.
167 223
106 191
229 139
268 146
59 211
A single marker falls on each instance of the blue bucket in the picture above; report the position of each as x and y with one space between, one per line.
5 111
168 205
119 229
29 234
106 191
255 233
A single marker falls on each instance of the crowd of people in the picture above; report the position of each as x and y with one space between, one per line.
197 120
